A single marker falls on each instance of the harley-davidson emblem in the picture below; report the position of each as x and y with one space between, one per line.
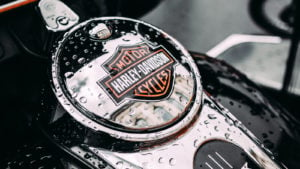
139 72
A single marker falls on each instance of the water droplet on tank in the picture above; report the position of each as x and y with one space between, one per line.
216 128
83 99
196 142
77 34
212 116
86 51
81 60
67 63
227 135
134 32
74 57
161 160
172 161
147 37
69 74
228 121
100 96
119 164
74 95
87 155
126 40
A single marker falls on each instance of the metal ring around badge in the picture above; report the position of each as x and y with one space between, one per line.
73 110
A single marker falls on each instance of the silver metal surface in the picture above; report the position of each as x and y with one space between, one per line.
57 15
183 102
214 123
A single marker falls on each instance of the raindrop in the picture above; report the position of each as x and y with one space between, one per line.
74 95
212 116
268 144
126 40
74 57
102 165
216 128
116 21
134 32
228 121
237 123
227 135
90 66
81 60
69 74
100 96
77 34
196 142
161 160
206 122
87 155
172 161
147 37
83 99
119 164
67 63
93 24
86 51
131 112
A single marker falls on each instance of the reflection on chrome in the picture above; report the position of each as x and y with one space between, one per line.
215 123
150 114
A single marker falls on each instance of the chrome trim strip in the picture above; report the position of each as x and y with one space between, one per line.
236 39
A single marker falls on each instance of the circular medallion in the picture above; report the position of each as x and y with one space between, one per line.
126 78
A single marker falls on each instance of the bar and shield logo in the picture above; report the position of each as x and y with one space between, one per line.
139 72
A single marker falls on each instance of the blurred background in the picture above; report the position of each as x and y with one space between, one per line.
201 25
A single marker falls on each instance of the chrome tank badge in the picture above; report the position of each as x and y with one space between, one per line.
137 84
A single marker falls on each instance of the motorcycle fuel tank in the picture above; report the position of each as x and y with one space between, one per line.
128 95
